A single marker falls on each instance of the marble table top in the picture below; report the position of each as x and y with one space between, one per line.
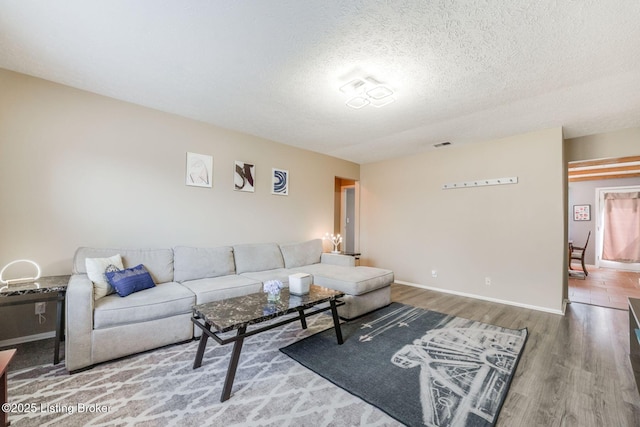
42 285
233 313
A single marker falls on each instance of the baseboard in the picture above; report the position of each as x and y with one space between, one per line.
28 338
483 298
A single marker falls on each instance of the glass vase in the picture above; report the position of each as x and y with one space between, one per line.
273 296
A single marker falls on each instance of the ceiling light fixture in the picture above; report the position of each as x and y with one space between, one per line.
367 91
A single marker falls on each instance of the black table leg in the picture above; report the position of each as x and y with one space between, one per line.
336 321
303 319
59 321
64 319
202 345
233 365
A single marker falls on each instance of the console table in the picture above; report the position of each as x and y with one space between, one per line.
51 288
634 338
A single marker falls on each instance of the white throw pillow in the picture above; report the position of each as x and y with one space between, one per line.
96 268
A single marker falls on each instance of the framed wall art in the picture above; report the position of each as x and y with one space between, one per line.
582 212
280 182
199 170
244 177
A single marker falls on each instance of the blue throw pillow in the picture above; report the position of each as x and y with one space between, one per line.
130 280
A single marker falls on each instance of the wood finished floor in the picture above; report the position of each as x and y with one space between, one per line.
605 287
575 369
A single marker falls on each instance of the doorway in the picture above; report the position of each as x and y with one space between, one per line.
608 284
347 214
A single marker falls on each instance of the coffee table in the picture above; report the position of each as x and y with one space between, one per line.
218 317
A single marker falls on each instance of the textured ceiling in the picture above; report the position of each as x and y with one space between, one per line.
462 71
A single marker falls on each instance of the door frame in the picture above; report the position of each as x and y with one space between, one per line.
343 214
600 192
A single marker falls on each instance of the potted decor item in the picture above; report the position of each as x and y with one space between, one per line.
272 288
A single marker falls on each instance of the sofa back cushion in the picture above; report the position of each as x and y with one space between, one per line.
257 257
200 263
301 254
159 262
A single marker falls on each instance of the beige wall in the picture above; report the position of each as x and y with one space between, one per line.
621 143
514 234
78 169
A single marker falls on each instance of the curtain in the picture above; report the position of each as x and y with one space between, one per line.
621 234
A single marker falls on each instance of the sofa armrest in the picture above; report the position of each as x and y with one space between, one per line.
78 322
338 259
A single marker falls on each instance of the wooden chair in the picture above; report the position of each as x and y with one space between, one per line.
577 253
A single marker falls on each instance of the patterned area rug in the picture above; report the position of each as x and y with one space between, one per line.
160 388
421 367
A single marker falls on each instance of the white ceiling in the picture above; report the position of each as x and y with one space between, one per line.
462 71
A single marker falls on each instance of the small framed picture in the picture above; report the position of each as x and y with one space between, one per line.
199 172
244 176
582 212
280 182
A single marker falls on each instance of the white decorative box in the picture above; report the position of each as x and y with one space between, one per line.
299 283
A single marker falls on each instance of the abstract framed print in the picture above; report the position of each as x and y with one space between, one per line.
280 182
199 171
244 177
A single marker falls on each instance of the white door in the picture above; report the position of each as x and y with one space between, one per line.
626 238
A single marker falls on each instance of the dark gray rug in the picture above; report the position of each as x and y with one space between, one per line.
419 366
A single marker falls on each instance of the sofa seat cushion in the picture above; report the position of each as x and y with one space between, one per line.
350 280
217 288
281 274
164 300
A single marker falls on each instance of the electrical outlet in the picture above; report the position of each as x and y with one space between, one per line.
41 307
434 273
487 281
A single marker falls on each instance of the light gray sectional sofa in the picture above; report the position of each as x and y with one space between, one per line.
114 326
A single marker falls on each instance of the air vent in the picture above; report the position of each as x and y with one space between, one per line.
442 144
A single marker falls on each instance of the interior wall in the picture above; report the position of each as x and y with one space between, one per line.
79 169
621 143
515 235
